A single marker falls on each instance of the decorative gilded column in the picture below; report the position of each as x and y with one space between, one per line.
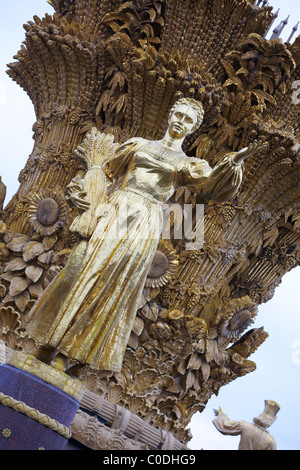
119 66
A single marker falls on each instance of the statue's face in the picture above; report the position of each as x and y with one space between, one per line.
182 121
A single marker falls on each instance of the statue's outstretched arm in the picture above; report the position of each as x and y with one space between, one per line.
221 182
225 425
247 152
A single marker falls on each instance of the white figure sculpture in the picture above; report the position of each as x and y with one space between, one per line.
254 436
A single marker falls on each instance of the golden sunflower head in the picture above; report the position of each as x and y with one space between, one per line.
237 318
48 211
164 265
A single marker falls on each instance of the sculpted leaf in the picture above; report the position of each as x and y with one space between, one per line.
215 352
31 250
250 54
194 362
18 284
150 311
205 369
17 264
34 273
264 95
228 67
49 241
189 380
234 81
21 300
35 290
17 243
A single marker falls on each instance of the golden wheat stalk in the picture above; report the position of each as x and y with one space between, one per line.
96 150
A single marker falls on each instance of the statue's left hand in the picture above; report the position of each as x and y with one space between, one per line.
246 152
76 194
79 201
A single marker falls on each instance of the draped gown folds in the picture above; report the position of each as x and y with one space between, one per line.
88 311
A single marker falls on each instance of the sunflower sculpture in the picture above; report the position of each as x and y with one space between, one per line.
164 265
48 211
237 317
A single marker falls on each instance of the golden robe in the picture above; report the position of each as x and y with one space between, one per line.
88 311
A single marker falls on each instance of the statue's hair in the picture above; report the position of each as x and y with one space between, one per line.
196 105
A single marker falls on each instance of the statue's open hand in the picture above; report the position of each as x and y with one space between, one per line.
246 152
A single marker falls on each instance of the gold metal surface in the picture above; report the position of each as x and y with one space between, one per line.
125 89
88 311
33 366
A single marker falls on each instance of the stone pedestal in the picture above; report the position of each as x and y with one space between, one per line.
37 404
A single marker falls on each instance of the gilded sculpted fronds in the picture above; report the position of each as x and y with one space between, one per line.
118 67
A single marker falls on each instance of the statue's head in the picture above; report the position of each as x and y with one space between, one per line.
185 117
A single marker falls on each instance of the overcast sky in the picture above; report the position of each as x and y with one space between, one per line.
278 359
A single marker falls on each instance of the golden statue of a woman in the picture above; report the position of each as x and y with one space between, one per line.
87 312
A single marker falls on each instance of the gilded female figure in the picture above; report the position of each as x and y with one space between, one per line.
87 312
